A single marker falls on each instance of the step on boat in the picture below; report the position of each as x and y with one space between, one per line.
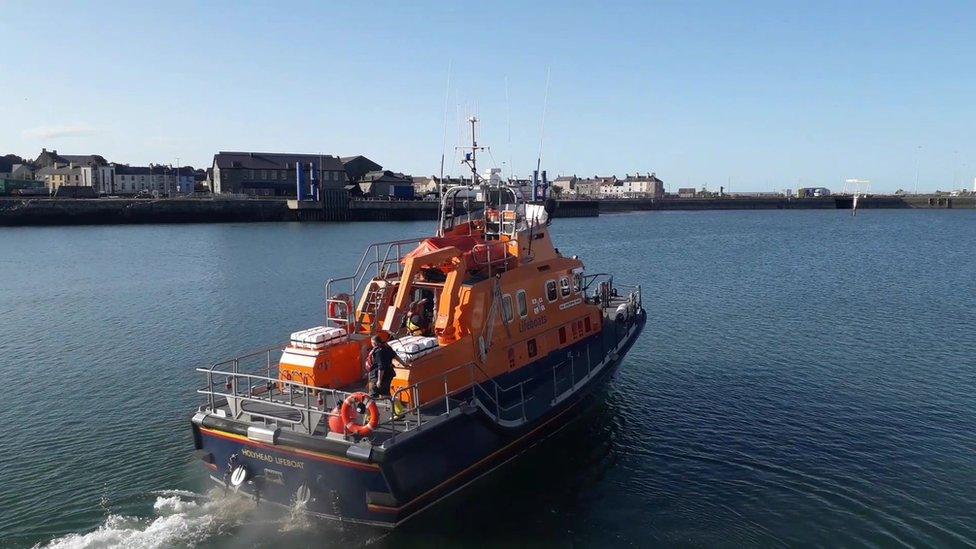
501 340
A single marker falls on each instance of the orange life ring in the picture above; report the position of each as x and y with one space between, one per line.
339 306
348 414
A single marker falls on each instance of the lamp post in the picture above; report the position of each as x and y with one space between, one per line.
955 167
918 155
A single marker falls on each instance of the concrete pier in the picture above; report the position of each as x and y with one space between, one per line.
61 211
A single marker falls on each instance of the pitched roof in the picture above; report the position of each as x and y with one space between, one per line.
84 159
387 175
52 157
639 177
274 161
52 170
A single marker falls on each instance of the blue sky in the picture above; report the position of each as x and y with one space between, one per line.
767 94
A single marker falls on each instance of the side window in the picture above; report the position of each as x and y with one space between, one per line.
551 290
564 286
507 308
523 308
577 282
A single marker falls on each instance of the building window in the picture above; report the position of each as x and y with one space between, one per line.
564 286
507 308
523 307
551 290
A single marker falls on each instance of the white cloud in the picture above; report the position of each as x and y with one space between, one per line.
54 132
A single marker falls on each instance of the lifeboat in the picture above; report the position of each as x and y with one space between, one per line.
442 357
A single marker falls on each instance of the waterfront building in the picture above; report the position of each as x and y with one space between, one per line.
273 174
387 184
56 176
632 186
687 192
21 171
588 188
155 179
357 167
566 185
643 186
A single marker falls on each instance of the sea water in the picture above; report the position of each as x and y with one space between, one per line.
804 378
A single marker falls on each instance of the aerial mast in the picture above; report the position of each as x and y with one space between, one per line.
471 158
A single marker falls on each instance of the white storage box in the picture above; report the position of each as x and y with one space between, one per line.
318 337
410 348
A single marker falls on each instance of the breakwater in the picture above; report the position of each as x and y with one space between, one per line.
60 211
787 203
67 211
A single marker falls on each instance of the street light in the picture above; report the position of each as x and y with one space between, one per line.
918 155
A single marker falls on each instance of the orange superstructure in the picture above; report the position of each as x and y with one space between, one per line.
497 294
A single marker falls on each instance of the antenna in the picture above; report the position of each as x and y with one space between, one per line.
542 132
508 116
447 98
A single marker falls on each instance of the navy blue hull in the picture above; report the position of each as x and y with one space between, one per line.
400 479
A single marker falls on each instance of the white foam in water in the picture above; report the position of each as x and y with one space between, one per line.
297 519
182 519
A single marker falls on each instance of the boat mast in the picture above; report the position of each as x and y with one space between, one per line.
471 158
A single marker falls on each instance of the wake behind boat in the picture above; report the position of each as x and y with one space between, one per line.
497 341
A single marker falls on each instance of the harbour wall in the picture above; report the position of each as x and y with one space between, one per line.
68 211
787 203
63 211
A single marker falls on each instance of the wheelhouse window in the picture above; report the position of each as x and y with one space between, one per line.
577 282
564 286
551 290
523 307
507 308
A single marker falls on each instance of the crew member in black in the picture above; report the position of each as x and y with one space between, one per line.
379 366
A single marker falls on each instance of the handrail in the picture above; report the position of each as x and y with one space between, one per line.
266 386
392 255
486 390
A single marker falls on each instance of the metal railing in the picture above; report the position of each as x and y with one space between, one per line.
371 265
242 387
312 404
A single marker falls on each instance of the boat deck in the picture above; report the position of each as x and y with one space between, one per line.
263 400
